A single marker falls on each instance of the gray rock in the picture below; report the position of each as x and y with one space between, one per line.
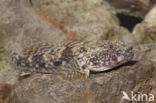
137 8
145 32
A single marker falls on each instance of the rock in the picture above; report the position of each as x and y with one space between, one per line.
137 8
24 26
126 36
145 51
91 20
145 32
7 95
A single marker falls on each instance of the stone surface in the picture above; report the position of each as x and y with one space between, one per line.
137 8
91 20
145 32
7 95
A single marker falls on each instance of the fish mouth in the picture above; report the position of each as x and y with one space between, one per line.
100 69
121 60
107 67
